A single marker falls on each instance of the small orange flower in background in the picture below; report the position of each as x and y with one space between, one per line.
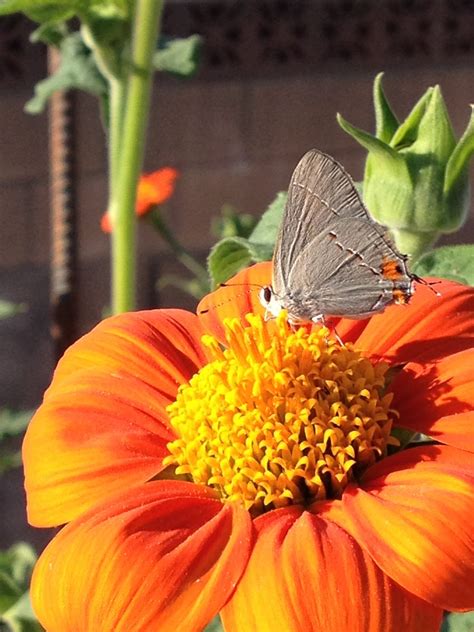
153 189
207 465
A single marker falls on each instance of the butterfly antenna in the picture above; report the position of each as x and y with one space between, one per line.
216 305
428 284
241 284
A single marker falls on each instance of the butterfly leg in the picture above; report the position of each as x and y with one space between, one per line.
268 316
320 320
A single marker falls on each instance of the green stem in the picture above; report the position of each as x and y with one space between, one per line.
414 243
117 94
110 65
137 102
183 256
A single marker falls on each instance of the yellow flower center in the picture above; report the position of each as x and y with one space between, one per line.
280 417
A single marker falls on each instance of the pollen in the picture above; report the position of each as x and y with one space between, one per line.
280 416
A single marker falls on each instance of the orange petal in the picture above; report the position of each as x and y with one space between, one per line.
165 556
349 330
438 399
105 223
102 425
160 347
427 328
413 514
155 188
95 435
163 182
306 574
238 297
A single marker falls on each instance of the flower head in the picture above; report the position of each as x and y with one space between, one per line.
153 189
416 178
221 463
278 420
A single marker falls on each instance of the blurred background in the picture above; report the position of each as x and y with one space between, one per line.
272 77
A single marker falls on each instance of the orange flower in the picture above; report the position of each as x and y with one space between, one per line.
153 189
261 479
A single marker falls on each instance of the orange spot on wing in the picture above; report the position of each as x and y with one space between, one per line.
391 269
400 297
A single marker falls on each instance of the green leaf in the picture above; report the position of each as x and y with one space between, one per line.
16 565
20 616
61 10
359 187
214 626
231 223
375 146
231 254
435 136
10 461
448 262
426 158
9 591
7 308
266 231
388 186
227 257
458 622
403 435
408 130
458 162
18 561
178 56
40 10
50 33
386 123
78 70
13 422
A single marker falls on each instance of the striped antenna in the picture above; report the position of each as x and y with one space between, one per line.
224 285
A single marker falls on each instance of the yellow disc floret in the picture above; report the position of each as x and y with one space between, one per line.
279 416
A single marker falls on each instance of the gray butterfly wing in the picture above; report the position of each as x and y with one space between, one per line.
348 280
318 191
329 251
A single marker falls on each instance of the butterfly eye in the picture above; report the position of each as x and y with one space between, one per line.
267 294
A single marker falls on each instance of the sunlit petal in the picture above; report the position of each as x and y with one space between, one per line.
95 435
239 296
429 327
437 399
160 347
306 574
164 556
413 514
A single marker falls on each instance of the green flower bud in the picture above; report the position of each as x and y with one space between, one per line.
416 179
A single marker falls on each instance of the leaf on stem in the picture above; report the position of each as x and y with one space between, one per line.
448 262
231 254
178 56
16 565
458 162
78 70
386 122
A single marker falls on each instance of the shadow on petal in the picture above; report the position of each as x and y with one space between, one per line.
165 556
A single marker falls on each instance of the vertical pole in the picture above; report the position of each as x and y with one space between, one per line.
63 257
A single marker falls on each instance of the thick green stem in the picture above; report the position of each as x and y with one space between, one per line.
117 94
130 159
